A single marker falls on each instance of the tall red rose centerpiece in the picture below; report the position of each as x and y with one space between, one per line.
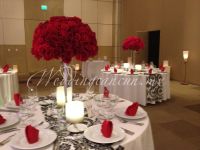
63 38
133 43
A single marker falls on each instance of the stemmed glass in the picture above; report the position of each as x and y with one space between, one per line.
90 90
32 97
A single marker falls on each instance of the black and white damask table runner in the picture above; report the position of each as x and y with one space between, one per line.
67 140
154 88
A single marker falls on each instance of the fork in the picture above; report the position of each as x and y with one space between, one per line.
126 121
6 140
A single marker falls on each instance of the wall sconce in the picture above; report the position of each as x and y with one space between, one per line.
15 68
105 57
165 63
185 57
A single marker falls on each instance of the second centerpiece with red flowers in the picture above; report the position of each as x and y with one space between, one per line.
133 43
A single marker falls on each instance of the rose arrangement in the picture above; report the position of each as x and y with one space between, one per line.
133 43
64 38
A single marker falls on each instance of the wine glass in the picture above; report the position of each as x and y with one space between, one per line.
90 90
32 97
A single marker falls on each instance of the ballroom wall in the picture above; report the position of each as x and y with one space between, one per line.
18 19
178 22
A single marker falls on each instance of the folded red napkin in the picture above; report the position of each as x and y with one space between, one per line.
115 70
5 68
107 67
150 71
32 134
132 109
106 92
162 69
106 128
132 71
18 99
2 119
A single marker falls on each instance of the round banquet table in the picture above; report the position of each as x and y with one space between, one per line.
140 140
142 88
8 86
92 69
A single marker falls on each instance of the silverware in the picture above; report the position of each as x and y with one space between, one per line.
8 130
127 131
39 124
126 121
6 140
9 110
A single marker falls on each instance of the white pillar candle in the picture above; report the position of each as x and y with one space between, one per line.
69 94
77 67
138 67
165 63
74 111
15 68
60 96
126 65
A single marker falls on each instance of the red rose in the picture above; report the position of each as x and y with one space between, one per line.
64 38
133 43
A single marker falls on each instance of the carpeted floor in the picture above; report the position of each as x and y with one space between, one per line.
175 123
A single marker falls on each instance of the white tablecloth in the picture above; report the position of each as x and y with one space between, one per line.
136 91
92 69
141 140
38 115
8 86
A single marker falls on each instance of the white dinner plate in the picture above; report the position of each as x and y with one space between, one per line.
94 134
11 105
139 115
11 119
46 137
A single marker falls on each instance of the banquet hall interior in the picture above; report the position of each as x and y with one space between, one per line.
99 74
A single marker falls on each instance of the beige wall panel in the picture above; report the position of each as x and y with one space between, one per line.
105 35
55 8
105 12
33 11
106 51
94 28
16 55
33 64
1 9
89 11
14 33
72 8
1 32
13 9
2 62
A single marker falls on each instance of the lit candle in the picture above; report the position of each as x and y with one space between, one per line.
60 96
185 55
165 63
138 67
126 65
69 94
74 111
15 68
77 67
